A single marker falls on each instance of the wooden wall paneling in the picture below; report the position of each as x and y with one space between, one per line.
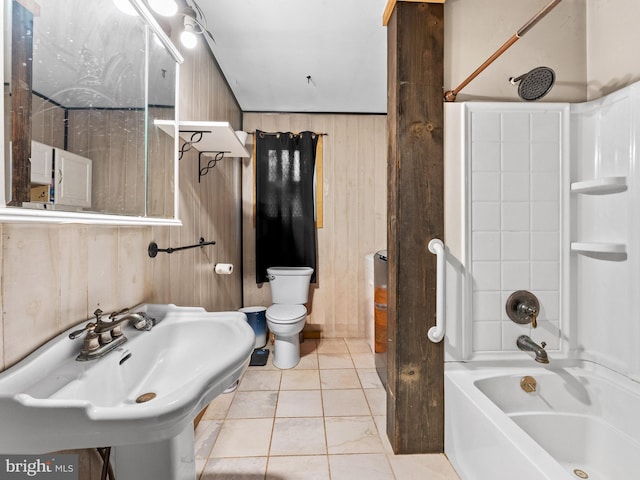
38 119
415 401
367 190
381 183
352 283
135 171
160 201
58 126
113 151
342 228
322 306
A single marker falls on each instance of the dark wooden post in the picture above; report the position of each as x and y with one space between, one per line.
415 393
21 87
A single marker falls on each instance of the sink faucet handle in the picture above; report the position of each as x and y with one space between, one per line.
113 315
88 327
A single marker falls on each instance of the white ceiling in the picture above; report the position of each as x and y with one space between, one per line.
268 48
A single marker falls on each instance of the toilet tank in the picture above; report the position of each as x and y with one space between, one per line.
289 285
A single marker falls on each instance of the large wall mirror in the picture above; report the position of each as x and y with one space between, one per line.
84 81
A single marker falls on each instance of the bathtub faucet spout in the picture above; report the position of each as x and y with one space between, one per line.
525 344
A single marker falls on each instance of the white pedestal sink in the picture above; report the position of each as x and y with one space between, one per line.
49 401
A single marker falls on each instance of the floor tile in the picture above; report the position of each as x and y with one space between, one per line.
243 438
300 380
352 435
372 466
339 378
305 467
200 463
344 403
363 360
309 345
308 362
260 380
431 466
253 404
381 424
358 345
299 403
298 436
369 378
219 407
332 345
205 436
377 399
250 468
335 360
324 419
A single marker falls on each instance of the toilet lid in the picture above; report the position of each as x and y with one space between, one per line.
285 313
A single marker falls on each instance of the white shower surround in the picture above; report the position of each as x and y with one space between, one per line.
507 229
598 272
501 158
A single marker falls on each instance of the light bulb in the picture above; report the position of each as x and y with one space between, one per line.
166 8
188 39
188 36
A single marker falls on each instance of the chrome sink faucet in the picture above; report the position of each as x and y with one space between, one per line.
103 337
525 344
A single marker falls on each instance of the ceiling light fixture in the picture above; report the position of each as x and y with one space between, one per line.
195 24
125 7
188 36
166 8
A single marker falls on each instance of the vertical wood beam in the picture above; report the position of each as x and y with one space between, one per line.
21 86
415 202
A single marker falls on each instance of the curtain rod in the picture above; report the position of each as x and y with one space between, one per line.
292 133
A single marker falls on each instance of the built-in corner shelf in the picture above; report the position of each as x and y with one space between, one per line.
599 247
211 139
600 186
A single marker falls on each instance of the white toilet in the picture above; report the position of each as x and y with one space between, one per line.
286 317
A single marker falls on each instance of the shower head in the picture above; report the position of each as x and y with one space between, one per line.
535 84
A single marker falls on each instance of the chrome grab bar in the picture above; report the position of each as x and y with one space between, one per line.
436 333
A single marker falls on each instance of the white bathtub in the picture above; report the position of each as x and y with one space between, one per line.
582 419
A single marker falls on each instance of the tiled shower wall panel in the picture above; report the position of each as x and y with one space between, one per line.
515 221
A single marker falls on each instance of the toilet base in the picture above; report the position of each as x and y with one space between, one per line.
286 351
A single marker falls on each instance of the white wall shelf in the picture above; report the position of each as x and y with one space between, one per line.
599 247
215 140
209 138
600 186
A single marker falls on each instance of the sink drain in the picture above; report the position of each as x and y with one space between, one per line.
580 473
145 397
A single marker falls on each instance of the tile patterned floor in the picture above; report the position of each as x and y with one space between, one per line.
323 420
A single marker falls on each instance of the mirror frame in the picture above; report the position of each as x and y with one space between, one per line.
19 214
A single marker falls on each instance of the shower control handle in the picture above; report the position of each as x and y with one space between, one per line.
523 307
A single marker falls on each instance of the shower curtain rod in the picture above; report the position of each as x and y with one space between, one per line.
450 95
293 133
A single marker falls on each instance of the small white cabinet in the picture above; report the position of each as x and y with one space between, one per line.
71 175
41 163
72 179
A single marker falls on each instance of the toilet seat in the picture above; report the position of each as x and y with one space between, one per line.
280 313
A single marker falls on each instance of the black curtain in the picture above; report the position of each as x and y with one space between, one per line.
285 213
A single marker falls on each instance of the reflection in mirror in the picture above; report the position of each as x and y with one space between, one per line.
161 157
85 82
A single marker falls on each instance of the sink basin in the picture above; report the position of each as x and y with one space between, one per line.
49 401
